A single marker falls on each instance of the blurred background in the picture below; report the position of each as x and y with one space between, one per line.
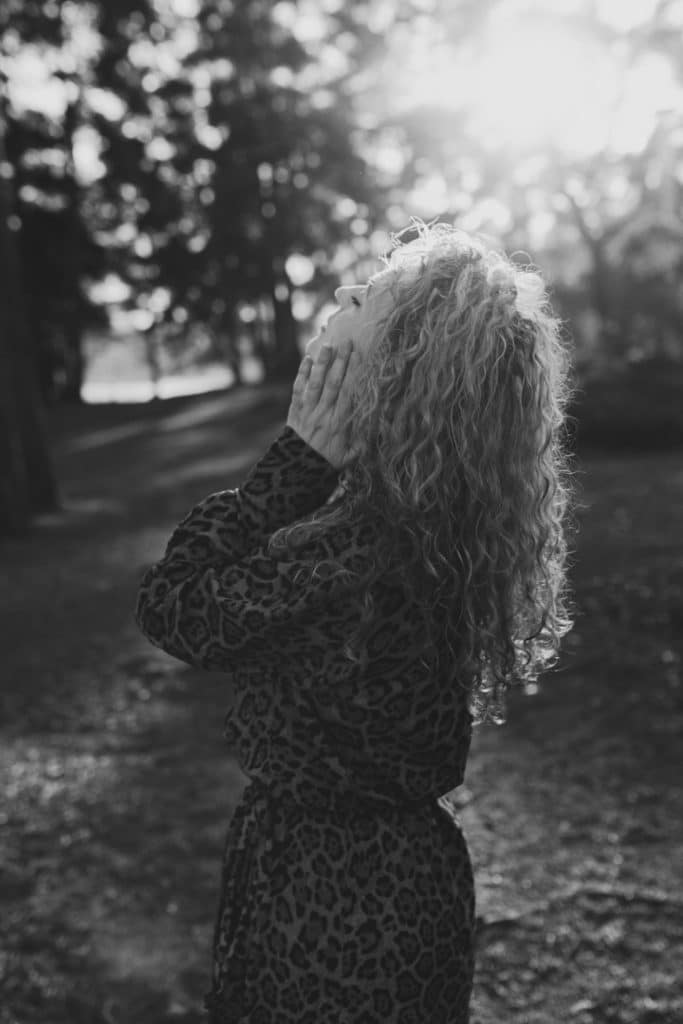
183 183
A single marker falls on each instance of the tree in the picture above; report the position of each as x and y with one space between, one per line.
27 481
283 162
56 249
611 237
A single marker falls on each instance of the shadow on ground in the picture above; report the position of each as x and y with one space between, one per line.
118 789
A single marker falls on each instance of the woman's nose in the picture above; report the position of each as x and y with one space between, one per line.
345 292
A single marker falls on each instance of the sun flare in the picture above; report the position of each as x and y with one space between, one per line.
535 84
530 83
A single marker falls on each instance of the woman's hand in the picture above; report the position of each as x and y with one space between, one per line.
321 407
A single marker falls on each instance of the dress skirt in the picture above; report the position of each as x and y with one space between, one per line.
365 917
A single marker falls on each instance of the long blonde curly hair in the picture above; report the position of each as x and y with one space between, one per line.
461 457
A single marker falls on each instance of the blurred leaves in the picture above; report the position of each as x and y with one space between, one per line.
189 180
232 139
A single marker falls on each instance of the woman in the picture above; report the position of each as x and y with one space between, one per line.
390 566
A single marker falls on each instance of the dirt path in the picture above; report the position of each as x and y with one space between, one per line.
118 789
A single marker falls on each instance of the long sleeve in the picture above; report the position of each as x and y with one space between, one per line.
217 597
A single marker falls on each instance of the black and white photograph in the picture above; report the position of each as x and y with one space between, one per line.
341 511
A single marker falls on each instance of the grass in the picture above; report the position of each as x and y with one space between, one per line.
118 789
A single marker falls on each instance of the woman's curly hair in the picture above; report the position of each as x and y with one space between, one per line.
460 456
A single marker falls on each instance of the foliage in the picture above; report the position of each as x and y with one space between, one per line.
195 165
212 169
227 141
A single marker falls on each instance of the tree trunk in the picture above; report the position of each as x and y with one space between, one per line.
73 330
75 369
15 509
27 482
286 355
600 281
226 331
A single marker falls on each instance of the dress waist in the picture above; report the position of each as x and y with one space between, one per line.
340 806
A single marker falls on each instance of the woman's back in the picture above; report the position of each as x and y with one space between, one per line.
394 561
340 820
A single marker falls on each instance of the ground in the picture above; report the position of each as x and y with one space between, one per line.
117 788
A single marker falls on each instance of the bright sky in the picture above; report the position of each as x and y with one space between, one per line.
529 80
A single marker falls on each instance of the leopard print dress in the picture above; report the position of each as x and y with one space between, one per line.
347 892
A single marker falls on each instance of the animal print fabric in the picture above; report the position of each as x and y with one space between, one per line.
347 893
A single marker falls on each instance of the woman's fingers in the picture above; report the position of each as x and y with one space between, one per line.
327 373
336 372
321 407
302 376
319 370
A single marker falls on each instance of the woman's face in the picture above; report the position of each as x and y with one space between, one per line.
362 307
